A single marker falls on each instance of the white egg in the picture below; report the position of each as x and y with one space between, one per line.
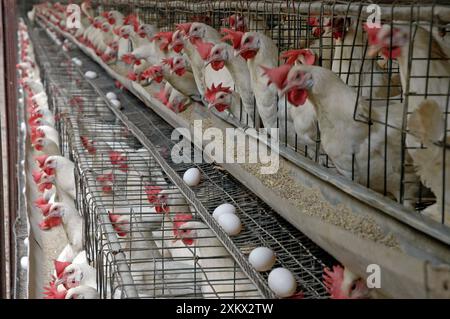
223 209
111 96
24 262
77 62
90 75
116 103
262 258
282 282
26 242
20 101
230 223
192 177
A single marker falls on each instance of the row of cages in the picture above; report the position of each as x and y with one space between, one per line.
383 122
140 233
131 245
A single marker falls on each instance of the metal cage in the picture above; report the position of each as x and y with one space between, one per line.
334 30
134 214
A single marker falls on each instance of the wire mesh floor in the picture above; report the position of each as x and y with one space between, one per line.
121 183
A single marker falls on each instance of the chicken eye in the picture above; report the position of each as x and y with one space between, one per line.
247 40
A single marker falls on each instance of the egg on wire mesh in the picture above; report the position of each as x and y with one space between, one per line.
77 62
230 223
91 75
223 209
111 96
116 103
262 258
192 177
282 282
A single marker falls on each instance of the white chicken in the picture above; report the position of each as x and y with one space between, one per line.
221 55
82 292
259 50
428 74
72 221
347 141
427 122
64 180
354 67
174 70
341 283
78 274
304 119
185 38
221 277
46 146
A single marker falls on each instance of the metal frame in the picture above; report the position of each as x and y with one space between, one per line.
128 119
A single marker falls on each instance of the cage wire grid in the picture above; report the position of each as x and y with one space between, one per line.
377 81
114 258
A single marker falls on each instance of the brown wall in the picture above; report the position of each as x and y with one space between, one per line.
8 143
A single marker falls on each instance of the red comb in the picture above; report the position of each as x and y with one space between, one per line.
105 14
372 33
181 219
88 145
168 61
162 96
234 36
185 27
178 221
105 177
118 84
152 192
292 56
133 20
116 31
41 160
333 281
45 208
60 266
151 72
132 76
277 75
210 94
204 48
35 134
128 58
114 219
115 157
43 186
313 21
160 35
51 292
37 175
40 201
